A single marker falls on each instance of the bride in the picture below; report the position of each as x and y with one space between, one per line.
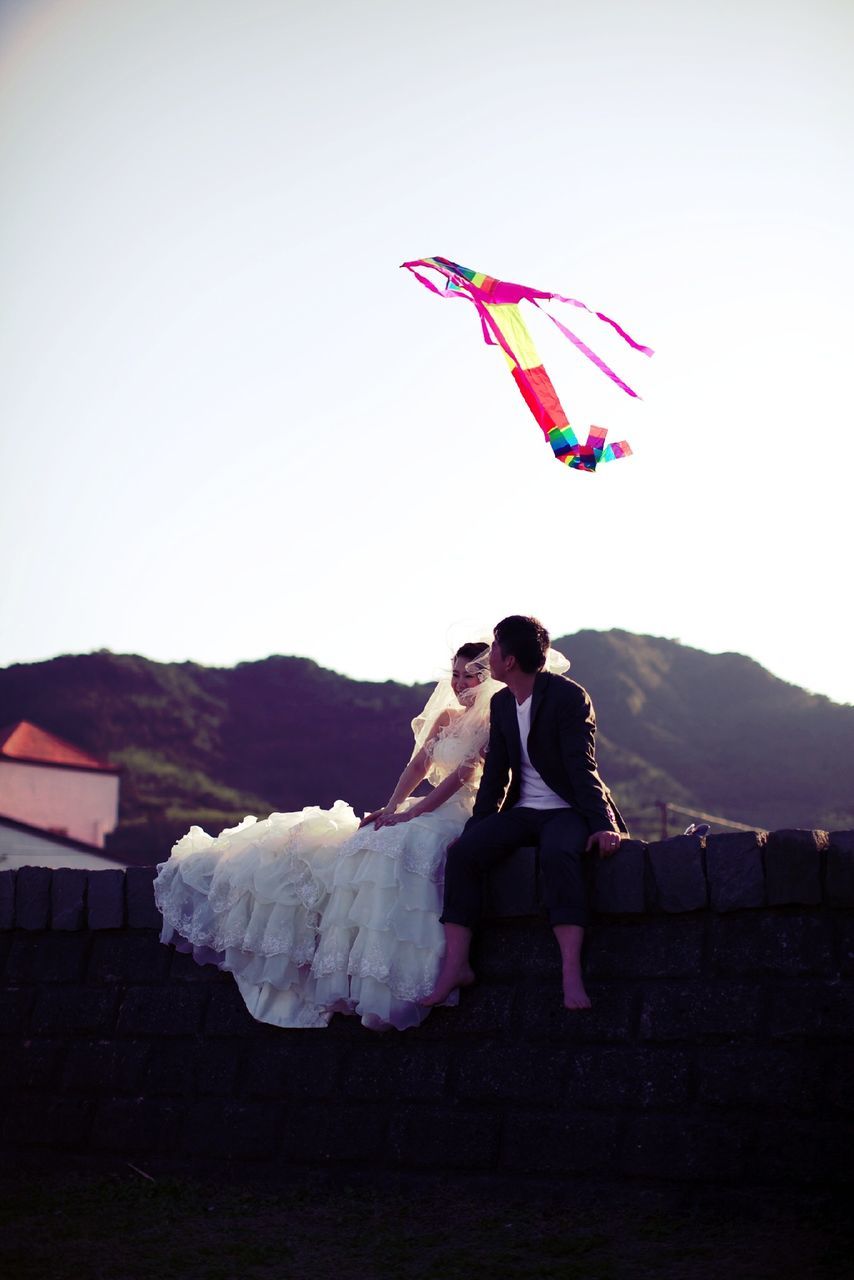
318 913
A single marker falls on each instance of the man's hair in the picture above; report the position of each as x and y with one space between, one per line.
524 639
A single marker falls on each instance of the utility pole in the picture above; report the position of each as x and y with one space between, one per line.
662 805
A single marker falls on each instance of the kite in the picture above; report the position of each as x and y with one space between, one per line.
497 304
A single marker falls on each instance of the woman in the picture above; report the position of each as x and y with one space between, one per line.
316 913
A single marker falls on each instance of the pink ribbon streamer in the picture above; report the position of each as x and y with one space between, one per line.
505 293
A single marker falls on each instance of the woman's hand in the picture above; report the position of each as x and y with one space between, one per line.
385 817
393 819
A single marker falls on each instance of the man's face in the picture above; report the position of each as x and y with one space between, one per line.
499 666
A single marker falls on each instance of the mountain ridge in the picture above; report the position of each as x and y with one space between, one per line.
708 732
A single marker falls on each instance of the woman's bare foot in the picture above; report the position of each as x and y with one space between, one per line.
448 981
574 995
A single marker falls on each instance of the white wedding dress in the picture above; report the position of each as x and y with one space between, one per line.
314 915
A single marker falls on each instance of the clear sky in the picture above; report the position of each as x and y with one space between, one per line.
232 427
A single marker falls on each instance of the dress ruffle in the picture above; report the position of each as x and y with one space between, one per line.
314 915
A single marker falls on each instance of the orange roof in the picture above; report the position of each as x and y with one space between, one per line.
27 742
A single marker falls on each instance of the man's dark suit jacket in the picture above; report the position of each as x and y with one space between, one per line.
561 749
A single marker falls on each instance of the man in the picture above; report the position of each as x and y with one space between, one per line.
541 740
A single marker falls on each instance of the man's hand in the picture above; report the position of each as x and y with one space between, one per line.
607 842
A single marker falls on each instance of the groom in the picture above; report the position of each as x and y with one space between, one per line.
541 740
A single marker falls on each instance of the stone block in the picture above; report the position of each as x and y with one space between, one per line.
514 948
170 1069
227 1015
845 943
55 957
767 1079
37 1121
69 1010
68 898
582 1142
106 899
190 1065
541 1015
701 1010
445 1138
772 943
142 912
345 1027
813 1010
321 1133
183 968
484 1010
839 885
294 1065
684 1147
734 869
631 1078
804 1151
223 1130
511 889
619 880
394 1072
101 1067
162 1011
515 1072
217 1064
32 897
31 1064
124 957
837 1078
793 867
15 1006
131 1125
677 871
7 899
658 948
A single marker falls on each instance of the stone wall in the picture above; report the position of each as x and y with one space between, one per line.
720 1047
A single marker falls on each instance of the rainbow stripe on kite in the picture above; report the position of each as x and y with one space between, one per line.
497 304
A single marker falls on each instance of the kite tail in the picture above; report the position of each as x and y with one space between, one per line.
600 315
591 355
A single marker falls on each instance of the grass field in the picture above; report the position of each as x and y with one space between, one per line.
123 1226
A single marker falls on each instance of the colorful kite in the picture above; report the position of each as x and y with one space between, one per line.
497 303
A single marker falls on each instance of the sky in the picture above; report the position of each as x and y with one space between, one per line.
230 426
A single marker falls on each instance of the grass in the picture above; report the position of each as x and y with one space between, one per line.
123 1226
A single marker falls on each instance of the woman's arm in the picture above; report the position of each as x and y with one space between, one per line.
446 788
414 773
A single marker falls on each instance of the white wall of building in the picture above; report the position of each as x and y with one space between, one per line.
74 802
29 849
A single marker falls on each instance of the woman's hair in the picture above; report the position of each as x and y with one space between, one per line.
472 649
524 639
476 656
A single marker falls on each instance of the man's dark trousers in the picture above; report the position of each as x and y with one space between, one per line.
560 835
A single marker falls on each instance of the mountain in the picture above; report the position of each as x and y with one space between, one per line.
712 733
741 742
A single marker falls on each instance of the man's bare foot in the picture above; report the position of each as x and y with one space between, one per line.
574 995
446 983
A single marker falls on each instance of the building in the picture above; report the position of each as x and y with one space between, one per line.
57 801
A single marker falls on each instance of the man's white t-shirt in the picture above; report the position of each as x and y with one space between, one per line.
533 792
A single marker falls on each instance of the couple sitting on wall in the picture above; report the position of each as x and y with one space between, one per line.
318 913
